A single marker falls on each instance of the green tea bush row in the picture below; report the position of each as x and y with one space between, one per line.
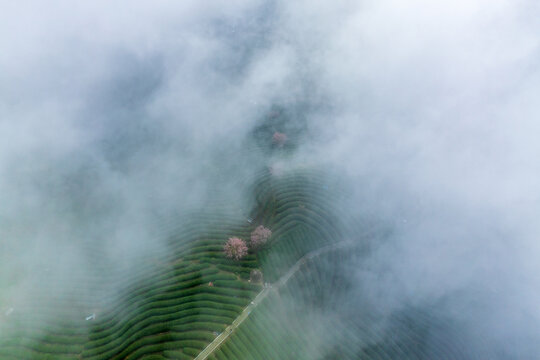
164 300
237 285
21 352
242 271
155 346
132 332
176 355
131 345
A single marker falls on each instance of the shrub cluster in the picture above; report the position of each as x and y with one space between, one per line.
236 248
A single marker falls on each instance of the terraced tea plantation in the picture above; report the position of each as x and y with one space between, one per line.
173 310
177 303
188 300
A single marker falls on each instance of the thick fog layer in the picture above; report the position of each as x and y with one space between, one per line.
113 115
433 120
435 109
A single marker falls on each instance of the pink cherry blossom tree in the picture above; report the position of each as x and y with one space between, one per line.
279 138
259 236
235 248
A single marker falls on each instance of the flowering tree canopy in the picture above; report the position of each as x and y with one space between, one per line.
279 138
259 236
235 248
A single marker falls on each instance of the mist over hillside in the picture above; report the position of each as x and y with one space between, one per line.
120 119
